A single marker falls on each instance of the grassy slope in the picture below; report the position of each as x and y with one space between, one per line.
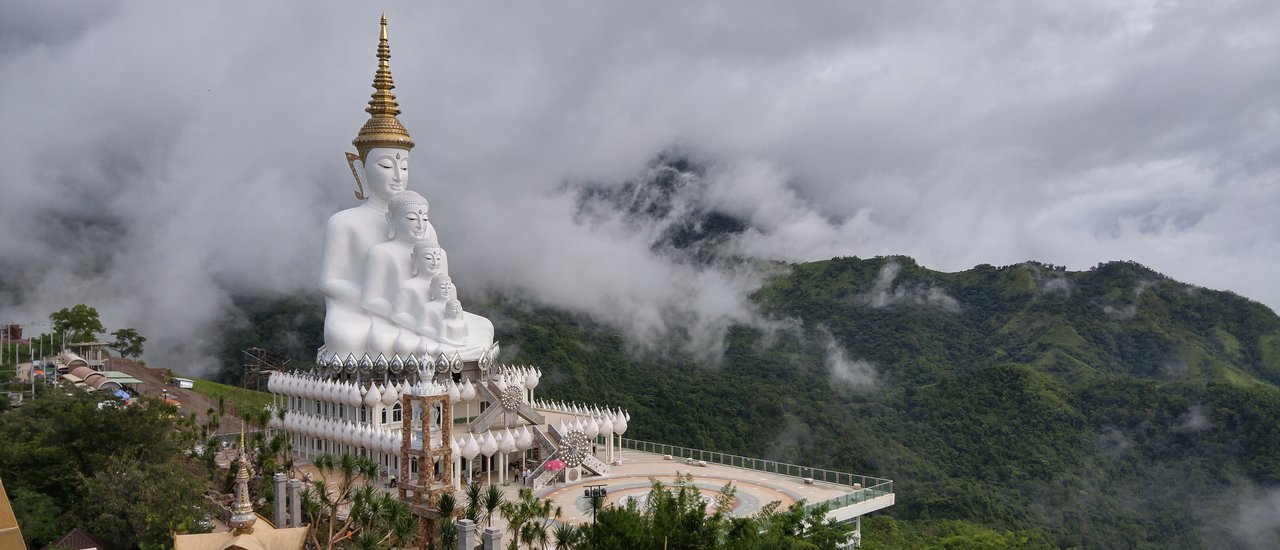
242 398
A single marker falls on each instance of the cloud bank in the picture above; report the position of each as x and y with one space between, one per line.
159 158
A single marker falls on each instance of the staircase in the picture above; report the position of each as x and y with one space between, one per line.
549 444
595 466
541 476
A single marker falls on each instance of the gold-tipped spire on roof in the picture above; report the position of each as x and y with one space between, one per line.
382 129
242 515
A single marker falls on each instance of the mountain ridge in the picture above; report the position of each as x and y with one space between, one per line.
1024 399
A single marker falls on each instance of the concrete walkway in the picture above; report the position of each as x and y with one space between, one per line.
632 481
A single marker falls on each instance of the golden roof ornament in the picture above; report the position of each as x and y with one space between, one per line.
382 129
242 515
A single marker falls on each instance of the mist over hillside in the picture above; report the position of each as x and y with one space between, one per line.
1018 402
1011 403
957 135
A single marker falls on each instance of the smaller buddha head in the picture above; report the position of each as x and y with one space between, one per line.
428 258
453 309
442 288
407 217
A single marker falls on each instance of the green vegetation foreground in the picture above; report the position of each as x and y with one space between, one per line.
116 472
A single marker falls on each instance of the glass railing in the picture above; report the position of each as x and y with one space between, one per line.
862 487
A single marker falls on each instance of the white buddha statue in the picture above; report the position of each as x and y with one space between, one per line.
440 328
381 167
429 313
387 265
428 260
453 328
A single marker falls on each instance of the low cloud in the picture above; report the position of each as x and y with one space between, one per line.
1248 517
850 373
1123 313
884 293
1057 285
1194 421
833 131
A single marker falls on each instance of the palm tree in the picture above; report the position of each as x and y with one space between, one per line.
516 517
528 517
475 509
492 501
326 496
567 536
382 520
446 506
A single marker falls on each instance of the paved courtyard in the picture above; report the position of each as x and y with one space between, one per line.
631 481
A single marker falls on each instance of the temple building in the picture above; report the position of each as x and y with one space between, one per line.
249 531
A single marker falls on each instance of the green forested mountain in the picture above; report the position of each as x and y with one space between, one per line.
1024 405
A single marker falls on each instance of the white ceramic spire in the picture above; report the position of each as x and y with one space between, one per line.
508 443
489 446
373 396
389 395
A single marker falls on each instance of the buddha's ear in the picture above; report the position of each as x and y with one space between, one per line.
391 227
357 166
413 264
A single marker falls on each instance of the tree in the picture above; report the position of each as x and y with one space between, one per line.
446 506
491 501
128 342
80 323
528 517
114 471
41 518
141 503
377 519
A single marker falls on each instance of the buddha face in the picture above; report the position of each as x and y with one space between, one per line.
385 171
429 262
444 290
410 223
455 309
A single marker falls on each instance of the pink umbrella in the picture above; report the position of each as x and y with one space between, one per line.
554 464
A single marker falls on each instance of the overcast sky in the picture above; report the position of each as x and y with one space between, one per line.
156 157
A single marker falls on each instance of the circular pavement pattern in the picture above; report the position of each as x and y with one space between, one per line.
748 499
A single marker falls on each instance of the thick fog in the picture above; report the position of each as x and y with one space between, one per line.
156 158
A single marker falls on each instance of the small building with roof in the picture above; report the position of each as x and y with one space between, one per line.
79 539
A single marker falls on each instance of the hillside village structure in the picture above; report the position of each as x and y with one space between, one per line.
409 378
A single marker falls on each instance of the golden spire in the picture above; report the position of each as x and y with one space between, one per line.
242 514
382 129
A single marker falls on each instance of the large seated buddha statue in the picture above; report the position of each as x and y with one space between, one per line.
381 169
381 257
389 264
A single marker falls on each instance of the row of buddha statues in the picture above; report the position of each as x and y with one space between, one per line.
398 299
384 274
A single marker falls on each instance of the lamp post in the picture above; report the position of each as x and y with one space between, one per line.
596 493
